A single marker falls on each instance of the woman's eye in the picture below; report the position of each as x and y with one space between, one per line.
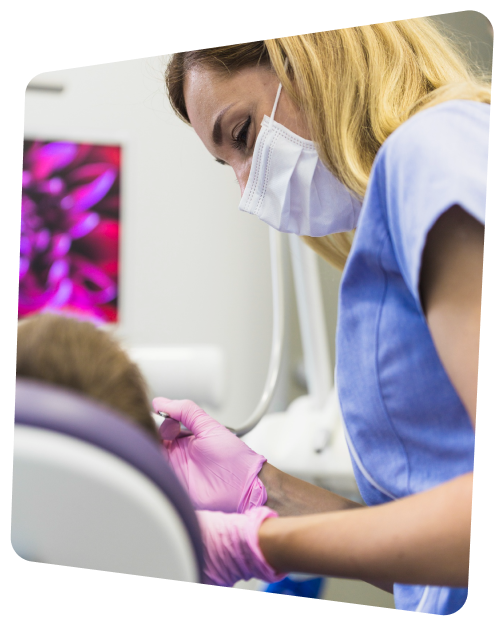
240 141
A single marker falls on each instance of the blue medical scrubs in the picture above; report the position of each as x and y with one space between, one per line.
406 427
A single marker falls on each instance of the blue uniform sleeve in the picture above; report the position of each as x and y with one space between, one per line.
434 161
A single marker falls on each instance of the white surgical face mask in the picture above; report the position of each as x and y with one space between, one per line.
290 188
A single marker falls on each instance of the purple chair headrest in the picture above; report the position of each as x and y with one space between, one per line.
43 405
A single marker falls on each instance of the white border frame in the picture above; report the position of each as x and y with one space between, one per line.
327 605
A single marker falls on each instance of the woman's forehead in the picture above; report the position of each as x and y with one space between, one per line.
207 91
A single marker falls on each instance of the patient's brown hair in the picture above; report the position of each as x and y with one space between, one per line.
76 354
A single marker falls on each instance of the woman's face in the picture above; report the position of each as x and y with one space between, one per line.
226 112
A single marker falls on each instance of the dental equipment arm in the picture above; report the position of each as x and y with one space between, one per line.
277 283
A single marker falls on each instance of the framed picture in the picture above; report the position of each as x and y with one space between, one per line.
70 223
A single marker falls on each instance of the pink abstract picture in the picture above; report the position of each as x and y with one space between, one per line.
70 230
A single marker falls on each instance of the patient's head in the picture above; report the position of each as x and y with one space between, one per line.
76 354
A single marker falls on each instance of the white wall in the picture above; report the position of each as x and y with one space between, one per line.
194 269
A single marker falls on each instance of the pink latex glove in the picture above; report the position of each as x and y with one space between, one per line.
231 547
217 469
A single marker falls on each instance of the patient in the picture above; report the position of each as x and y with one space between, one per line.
77 355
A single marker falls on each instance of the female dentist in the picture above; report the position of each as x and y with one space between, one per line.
382 129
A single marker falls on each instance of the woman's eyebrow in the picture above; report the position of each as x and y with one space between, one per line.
217 127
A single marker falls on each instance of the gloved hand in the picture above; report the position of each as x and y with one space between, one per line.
231 547
217 469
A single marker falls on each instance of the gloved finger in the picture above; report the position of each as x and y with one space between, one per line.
169 429
190 414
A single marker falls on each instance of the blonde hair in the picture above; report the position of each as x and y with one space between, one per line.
355 86
77 355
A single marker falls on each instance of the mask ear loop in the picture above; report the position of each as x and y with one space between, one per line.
272 116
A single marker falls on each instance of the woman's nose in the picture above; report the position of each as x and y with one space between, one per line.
243 183
242 176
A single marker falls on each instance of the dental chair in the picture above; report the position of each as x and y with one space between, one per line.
92 490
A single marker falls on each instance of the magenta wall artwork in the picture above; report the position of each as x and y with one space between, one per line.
70 230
